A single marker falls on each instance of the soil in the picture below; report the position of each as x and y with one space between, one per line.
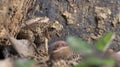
58 19
88 19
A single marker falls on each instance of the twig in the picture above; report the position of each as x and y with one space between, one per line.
33 21
46 44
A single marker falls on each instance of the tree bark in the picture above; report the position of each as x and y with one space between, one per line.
12 15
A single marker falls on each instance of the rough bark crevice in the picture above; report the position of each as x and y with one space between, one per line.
12 15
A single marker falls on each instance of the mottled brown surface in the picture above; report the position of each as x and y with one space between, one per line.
12 15
88 19
58 19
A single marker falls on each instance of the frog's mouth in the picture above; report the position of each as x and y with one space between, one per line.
61 48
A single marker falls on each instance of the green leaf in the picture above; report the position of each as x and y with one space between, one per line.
81 64
95 61
77 45
99 61
23 63
103 43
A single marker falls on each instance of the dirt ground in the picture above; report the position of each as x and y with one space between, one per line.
58 19
88 19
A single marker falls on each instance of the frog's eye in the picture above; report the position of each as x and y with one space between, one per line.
62 44
59 44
